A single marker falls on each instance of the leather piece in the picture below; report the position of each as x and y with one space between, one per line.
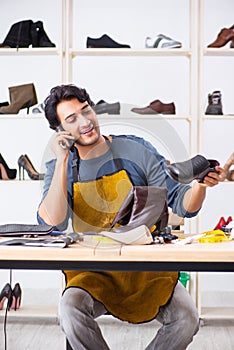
144 205
18 230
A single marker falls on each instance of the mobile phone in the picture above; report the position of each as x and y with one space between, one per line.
63 144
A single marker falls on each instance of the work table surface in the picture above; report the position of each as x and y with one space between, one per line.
102 256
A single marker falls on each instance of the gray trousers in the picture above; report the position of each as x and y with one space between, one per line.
78 310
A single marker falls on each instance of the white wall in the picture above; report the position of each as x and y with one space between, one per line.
131 80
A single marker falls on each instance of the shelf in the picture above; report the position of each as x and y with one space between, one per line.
217 313
141 116
217 117
25 181
131 115
218 52
39 116
29 51
130 52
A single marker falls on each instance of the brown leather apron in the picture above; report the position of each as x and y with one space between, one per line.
130 296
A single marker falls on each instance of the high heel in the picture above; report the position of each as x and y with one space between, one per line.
6 293
25 164
16 297
220 224
5 172
21 96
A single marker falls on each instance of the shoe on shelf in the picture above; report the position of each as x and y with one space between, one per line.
195 168
21 96
224 36
227 168
18 35
26 33
104 42
39 36
232 42
162 42
214 103
5 172
25 163
156 107
40 108
104 107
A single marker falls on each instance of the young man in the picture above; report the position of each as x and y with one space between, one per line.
91 192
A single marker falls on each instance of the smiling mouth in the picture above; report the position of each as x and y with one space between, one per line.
87 130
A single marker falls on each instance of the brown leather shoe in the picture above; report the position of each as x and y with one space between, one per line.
232 42
225 35
156 107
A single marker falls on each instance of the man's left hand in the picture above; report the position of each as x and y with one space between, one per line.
212 178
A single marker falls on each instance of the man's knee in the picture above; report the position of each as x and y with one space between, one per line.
188 317
74 300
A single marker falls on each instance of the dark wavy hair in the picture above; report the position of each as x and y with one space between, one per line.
63 93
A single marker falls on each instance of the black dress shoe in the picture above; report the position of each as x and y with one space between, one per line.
195 168
104 107
104 42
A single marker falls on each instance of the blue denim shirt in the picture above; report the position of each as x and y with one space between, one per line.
144 165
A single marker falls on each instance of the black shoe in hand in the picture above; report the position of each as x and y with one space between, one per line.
195 168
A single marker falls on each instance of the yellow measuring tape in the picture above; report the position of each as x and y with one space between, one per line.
214 236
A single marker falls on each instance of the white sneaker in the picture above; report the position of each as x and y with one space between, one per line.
162 42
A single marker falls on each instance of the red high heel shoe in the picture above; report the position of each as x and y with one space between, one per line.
16 297
220 224
6 293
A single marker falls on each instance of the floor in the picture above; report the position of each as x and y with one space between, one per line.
44 333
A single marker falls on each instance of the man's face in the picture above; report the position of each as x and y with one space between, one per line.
80 120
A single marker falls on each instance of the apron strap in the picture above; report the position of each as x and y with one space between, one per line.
75 164
117 161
